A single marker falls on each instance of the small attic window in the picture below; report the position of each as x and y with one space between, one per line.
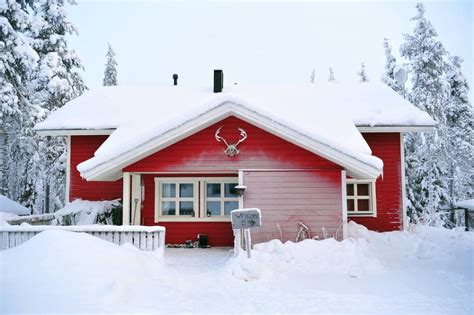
360 198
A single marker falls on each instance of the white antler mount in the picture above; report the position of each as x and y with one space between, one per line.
231 149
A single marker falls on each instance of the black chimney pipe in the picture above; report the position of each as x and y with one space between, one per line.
218 81
175 79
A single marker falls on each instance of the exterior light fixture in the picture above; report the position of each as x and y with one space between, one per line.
240 189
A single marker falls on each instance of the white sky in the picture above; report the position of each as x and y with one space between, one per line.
255 42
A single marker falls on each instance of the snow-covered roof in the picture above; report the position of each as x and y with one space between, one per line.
324 115
466 204
10 206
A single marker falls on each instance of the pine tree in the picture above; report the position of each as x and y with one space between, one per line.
388 77
110 73
426 153
362 75
331 75
459 122
56 82
313 75
17 61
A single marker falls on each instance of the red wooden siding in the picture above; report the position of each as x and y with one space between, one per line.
388 187
202 153
286 197
83 148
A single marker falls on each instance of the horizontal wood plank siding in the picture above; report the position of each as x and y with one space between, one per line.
312 197
388 187
83 148
202 153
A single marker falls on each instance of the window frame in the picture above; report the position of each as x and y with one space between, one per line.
372 197
222 199
200 196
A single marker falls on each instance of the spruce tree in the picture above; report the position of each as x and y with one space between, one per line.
459 122
17 61
110 72
388 77
56 82
331 75
426 153
362 75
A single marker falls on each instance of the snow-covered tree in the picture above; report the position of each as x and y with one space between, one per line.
56 82
17 61
362 75
312 76
426 153
459 122
331 75
110 72
388 77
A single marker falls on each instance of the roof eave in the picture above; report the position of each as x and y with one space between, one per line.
396 128
74 132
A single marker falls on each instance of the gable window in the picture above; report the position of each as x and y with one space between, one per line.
196 198
360 198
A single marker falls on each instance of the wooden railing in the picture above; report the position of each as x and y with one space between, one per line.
147 238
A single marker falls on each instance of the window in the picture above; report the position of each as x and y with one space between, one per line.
221 198
177 198
202 199
360 198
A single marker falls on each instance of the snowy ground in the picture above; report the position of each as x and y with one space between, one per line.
428 270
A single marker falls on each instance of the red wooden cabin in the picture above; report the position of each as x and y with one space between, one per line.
321 155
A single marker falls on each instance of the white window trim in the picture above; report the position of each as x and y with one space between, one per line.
199 199
222 199
372 198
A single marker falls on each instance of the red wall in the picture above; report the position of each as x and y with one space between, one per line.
278 194
202 153
388 187
312 197
83 148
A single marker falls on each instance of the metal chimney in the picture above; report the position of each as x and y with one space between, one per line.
218 81
175 79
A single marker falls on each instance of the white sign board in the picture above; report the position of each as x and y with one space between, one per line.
246 218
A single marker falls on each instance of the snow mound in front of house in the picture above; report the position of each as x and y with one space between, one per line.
75 268
364 252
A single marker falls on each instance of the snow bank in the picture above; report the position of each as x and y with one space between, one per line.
425 270
4 216
84 212
10 206
73 270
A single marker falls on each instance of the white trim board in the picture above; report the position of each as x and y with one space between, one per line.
111 169
68 169
369 129
74 132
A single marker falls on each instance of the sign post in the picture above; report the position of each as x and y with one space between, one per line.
243 220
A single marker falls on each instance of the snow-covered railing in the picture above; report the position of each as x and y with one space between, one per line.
143 237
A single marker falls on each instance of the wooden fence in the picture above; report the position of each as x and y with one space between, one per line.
147 238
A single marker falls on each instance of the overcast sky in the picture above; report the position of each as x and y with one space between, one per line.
255 42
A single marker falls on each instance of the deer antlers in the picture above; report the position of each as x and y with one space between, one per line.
231 149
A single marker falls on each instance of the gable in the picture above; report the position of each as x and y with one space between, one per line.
201 152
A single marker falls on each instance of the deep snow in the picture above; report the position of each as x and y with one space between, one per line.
426 270
327 113
10 206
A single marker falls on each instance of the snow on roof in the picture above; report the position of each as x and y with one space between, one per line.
327 113
10 206
466 204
